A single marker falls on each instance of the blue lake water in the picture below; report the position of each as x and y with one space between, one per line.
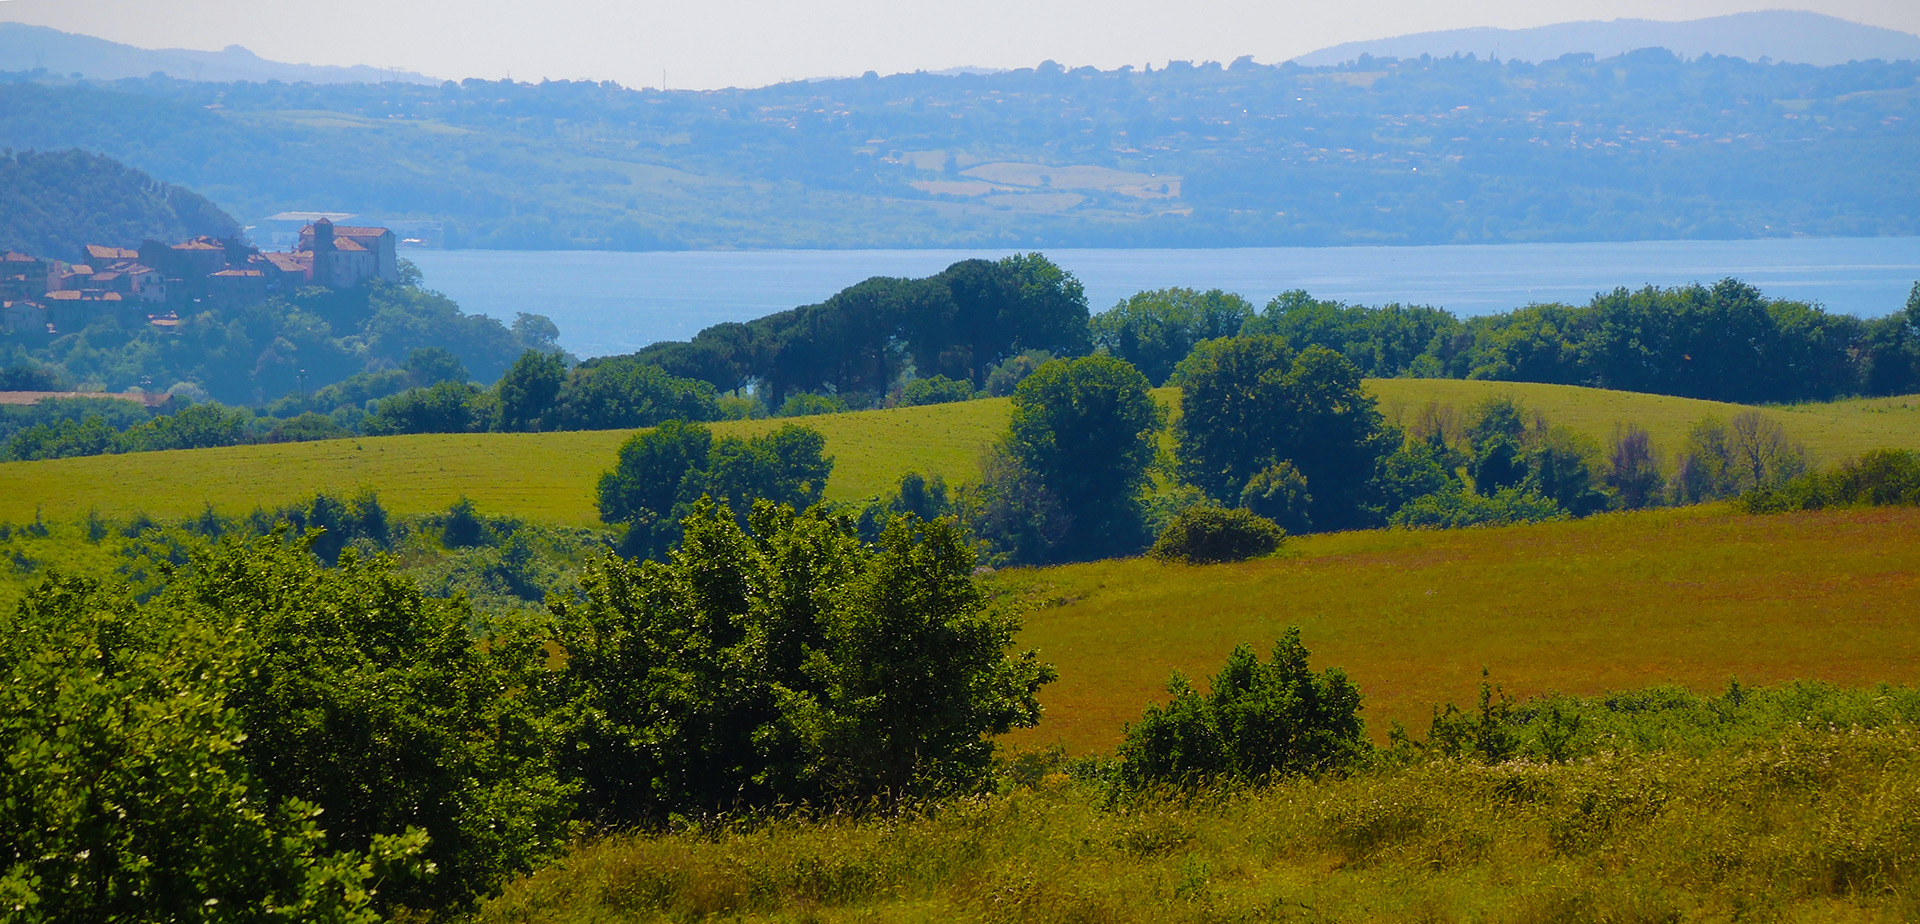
608 302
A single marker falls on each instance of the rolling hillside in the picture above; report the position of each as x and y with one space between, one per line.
550 476
1697 596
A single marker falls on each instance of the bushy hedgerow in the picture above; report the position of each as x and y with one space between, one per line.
1882 477
1205 534
935 390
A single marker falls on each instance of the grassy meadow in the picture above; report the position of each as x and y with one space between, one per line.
1811 826
1695 596
549 477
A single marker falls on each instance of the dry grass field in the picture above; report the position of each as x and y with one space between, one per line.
1695 596
550 476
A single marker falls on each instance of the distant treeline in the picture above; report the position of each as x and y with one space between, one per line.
979 327
1725 342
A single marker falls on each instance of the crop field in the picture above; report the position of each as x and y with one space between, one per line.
550 476
1696 596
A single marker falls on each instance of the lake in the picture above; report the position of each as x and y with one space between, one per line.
606 302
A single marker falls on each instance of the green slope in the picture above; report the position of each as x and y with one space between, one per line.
550 476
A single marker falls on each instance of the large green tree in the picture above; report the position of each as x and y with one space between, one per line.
1088 429
785 662
1251 402
660 473
1156 329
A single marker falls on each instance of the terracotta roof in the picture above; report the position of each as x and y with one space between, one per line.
289 262
78 269
348 245
199 244
239 272
13 257
346 231
104 253
74 295
106 276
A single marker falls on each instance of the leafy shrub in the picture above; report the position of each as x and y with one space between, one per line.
1279 493
1007 375
1882 477
661 472
808 404
1455 508
789 663
936 390
1257 721
447 407
1207 534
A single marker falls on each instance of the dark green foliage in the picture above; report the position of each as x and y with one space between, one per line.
52 413
808 404
1507 457
263 738
1393 340
463 528
62 439
662 472
1728 458
1633 469
130 790
30 378
1454 507
307 427
1892 354
619 393
356 520
1202 535
1420 467
1155 330
1279 493
54 203
373 702
1487 735
449 407
856 345
527 396
1087 431
914 495
1256 722
432 365
1007 375
1249 403
936 390
1016 518
197 427
791 663
1882 477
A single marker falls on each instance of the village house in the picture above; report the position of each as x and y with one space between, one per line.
344 256
149 285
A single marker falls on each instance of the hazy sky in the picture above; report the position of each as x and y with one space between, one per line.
716 43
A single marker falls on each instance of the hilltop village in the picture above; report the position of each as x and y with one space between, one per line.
155 284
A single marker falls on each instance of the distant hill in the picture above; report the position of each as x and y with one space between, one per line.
28 48
54 204
1783 35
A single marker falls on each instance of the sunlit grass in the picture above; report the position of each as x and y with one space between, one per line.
550 476
1695 596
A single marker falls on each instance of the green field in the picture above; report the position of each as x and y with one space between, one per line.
1696 596
550 476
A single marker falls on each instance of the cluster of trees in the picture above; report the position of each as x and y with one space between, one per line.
1725 342
1270 439
662 475
237 731
54 203
859 344
1878 478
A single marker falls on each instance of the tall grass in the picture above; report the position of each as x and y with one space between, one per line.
1808 823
